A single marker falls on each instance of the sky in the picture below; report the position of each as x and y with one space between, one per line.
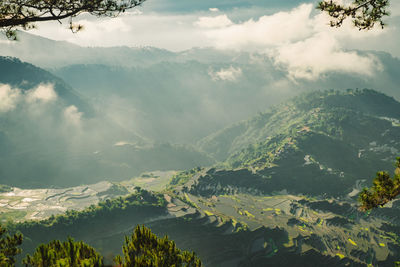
244 25
293 33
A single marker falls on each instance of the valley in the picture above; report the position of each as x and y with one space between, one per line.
249 133
275 196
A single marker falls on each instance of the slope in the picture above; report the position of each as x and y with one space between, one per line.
321 142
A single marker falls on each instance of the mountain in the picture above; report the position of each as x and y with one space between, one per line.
283 193
232 229
318 143
200 91
30 48
178 102
26 76
50 134
155 92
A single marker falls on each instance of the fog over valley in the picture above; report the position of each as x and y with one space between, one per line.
252 133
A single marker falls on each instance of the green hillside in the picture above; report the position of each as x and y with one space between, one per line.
283 193
320 142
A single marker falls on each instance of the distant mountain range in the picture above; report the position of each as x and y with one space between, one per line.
181 97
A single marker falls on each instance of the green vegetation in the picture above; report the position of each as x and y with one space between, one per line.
24 13
5 188
384 189
365 13
68 253
144 248
183 177
109 207
88 224
9 247
317 143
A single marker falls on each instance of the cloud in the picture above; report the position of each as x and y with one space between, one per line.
258 29
106 26
8 97
230 74
43 92
299 42
320 54
72 115
213 22
277 29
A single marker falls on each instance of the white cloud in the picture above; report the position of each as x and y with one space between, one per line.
272 34
9 97
123 143
320 54
300 42
230 74
173 32
72 115
213 22
277 29
106 26
43 92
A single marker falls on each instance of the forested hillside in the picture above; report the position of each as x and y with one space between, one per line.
317 143
276 196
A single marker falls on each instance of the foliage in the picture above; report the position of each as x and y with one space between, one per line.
5 188
333 114
144 248
23 13
183 177
318 143
384 189
9 247
101 218
365 13
105 209
68 253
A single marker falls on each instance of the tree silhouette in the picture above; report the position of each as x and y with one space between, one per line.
24 13
364 13
145 249
68 253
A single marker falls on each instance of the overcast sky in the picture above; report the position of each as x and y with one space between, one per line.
293 33
252 24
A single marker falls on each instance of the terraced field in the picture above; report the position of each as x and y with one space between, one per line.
19 205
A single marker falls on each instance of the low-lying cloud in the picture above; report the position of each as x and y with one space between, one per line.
8 97
11 97
229 74
43 92
72 115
